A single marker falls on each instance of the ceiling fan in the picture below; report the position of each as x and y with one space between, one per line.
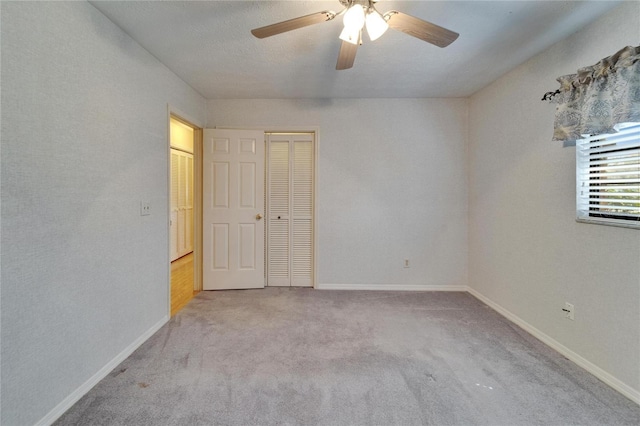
357 14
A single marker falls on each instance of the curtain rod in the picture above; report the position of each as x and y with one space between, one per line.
549 95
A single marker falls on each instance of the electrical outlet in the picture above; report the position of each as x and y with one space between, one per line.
569 311
407 264
145 208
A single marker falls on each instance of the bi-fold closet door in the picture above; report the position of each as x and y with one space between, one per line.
290 198
181 203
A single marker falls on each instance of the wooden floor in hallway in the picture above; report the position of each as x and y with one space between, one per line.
181 283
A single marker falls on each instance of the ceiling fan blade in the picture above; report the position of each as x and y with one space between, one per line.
347 55
293 24
431 33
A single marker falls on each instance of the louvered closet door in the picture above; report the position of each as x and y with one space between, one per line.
175 167
188 207
181 203
290 214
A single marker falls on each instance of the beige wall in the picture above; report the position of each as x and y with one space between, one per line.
391 184
527 252
84 140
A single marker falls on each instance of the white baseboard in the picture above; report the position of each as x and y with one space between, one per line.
61 408
391 287
623 388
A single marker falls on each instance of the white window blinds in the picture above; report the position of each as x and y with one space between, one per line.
608 177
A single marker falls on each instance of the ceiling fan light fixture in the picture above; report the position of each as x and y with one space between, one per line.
376 24
350 35
354 17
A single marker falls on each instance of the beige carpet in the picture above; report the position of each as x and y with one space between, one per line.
307 357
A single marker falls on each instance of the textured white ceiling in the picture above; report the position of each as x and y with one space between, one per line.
209 45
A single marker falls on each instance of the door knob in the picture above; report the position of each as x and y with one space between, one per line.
258 216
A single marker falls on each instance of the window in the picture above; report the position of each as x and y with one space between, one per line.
608 177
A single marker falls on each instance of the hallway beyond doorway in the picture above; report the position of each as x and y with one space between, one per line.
181 283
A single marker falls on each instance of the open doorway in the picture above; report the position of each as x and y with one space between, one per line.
184 142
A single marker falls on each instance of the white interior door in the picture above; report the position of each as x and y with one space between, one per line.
233 206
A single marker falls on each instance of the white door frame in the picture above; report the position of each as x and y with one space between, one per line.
297 129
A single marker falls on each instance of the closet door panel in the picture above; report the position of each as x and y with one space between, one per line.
279 253
182 201
302 260
303 179
278 215
279 179
189 205
302 253
175 164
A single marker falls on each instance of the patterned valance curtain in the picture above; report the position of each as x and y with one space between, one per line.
598 97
